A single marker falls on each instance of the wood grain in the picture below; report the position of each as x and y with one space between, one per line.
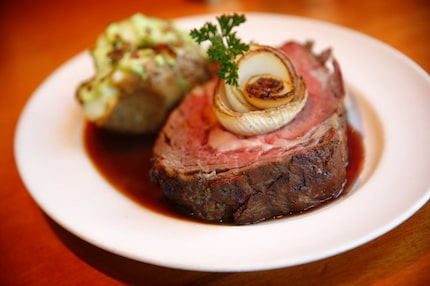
39 36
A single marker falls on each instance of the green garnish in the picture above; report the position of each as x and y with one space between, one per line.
225 46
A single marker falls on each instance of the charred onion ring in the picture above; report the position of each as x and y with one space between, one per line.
270 93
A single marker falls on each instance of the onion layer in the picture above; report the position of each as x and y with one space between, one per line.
269 95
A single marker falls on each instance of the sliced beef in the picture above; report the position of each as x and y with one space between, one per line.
217 176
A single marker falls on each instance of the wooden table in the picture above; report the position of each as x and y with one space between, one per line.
38 36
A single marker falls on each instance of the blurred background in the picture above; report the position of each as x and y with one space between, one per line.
37 36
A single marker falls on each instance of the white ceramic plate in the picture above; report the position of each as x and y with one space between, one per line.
389 104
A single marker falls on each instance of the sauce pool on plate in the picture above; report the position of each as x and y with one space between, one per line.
125 160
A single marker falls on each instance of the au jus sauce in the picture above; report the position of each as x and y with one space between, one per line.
125 160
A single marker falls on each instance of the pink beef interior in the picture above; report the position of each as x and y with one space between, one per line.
205 146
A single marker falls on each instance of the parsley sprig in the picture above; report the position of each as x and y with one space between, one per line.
225 45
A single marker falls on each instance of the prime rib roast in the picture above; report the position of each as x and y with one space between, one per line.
217 176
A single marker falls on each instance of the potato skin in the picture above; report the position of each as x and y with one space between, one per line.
140 77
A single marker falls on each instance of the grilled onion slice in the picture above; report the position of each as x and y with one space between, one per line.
269 95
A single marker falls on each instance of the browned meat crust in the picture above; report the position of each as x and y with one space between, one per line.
250 181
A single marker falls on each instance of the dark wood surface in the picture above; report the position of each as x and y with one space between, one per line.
39 36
